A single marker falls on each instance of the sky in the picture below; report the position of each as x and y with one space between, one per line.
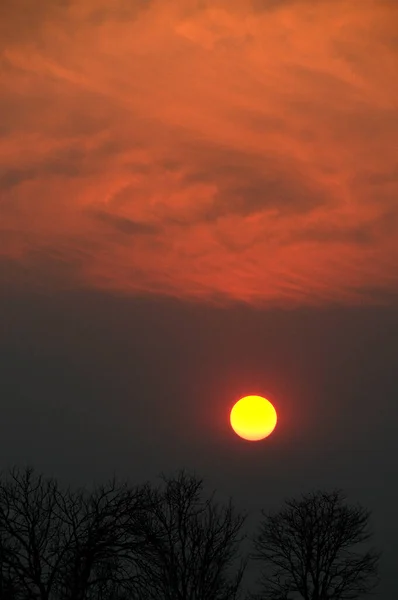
198 201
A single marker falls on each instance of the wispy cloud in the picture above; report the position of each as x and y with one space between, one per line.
205 150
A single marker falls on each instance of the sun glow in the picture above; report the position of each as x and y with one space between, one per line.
253 418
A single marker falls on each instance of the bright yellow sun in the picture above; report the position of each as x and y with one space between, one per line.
253 418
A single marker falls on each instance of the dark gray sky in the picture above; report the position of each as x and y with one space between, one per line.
198 201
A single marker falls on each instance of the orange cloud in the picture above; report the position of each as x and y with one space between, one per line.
211 150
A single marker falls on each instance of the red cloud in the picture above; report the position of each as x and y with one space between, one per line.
211 150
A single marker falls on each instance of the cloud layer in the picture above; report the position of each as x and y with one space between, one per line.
201 149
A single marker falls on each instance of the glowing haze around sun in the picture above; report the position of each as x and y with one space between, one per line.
253 418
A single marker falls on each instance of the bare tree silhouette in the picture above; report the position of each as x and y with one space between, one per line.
104 541
314 549
67 545
29 534
116 542
192 550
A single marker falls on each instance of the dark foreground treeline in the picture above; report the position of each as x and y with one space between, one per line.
173 542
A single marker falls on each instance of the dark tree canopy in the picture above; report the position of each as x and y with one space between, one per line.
314 548
193 544
173 542
116 542
58 544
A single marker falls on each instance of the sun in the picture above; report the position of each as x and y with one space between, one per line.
253 418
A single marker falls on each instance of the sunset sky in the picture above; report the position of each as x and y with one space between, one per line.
199 200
